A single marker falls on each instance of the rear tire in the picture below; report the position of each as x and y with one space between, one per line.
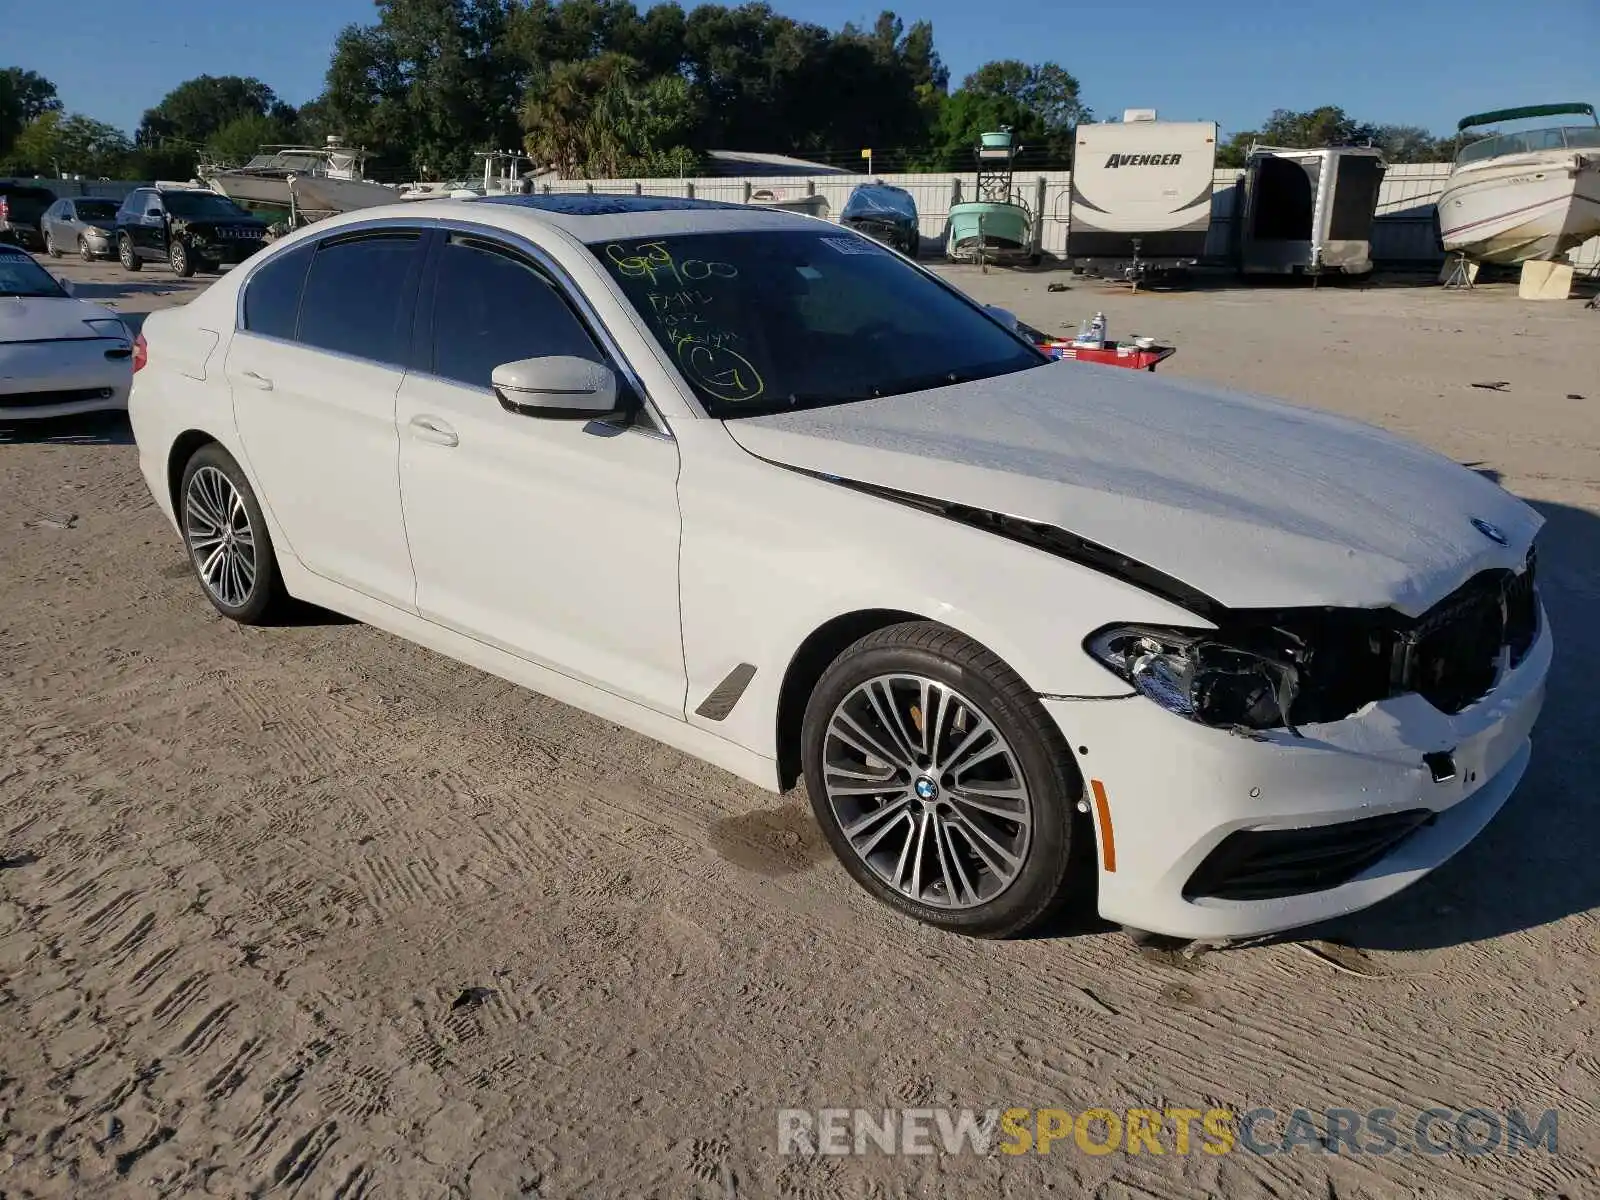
227 539
127 255
991 762
50 246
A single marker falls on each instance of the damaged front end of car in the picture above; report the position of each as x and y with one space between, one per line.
1264 670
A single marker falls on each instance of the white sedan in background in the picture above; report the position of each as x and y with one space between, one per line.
762 488
58 356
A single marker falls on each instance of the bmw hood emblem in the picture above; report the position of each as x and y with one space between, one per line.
1493 532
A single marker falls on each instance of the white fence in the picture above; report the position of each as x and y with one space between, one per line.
1404 231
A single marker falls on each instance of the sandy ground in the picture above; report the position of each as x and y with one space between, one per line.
310 911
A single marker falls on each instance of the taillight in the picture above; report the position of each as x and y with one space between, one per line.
141 353
5 209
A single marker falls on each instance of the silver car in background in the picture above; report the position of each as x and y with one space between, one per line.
85 224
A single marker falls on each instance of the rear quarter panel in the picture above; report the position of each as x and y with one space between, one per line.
181 389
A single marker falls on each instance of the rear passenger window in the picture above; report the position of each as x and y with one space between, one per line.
358 296
272 297
492 307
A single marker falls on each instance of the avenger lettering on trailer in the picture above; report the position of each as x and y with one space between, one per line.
1143 160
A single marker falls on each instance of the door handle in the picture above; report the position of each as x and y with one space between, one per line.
434 431
260 381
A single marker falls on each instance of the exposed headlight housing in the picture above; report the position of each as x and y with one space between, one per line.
1205 676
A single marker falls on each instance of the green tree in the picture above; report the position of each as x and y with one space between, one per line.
1412 144
196 109
57 145
430 84
25 96
598 120
244 136
34 94
1040 104
1325 126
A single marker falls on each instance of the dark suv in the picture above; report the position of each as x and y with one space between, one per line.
21 206
190 229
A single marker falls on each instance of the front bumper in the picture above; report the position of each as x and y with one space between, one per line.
1173 792
63 378
227 252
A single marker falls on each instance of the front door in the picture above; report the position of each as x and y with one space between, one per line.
314 372
555 540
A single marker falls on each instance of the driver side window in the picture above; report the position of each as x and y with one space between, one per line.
492 306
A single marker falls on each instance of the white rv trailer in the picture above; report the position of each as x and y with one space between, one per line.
1141 194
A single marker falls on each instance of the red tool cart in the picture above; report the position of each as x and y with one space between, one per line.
1112 354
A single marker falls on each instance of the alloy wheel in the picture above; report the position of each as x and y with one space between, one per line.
927 791
223 544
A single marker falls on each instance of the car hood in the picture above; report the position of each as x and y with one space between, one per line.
1254 502
48 318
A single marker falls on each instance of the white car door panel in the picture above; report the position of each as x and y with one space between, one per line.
545 538
556 540
318 424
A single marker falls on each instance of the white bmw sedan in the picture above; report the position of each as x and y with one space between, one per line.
58 356
765 490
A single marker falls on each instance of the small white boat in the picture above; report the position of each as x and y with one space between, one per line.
1528 196
502 176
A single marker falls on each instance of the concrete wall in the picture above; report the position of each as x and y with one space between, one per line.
1402 235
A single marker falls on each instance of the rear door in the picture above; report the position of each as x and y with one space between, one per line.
314 368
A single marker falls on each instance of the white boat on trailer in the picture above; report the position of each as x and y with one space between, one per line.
311 181
1525 196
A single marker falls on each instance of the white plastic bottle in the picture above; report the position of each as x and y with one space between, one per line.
1097 331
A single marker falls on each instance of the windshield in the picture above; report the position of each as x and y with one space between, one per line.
774 320
21 276
1531 141
96 210
203 205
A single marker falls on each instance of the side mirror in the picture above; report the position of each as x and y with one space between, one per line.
560 386
66 285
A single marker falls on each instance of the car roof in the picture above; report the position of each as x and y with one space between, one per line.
590 217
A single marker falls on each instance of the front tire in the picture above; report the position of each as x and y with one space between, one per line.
179 258
127 255
941 784
83 250
226 535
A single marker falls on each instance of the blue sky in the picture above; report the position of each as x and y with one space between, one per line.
1418 62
